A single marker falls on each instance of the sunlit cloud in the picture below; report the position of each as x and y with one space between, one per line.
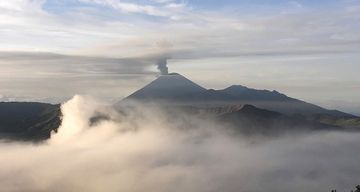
143 149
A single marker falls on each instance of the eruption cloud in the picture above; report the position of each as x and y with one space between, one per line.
162 66
144 148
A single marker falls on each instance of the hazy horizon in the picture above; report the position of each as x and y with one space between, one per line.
51 49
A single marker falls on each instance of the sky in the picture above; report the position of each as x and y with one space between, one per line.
51 50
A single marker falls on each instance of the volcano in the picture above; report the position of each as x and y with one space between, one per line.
169 86
250 111
176 89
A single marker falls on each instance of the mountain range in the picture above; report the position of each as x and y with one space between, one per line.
248 110
177 89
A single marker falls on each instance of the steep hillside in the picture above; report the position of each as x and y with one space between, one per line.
28 121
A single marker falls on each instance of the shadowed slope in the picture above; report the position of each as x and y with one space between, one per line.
176 89
28 121
275 101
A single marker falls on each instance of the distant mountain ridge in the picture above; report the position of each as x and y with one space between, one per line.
178 90
275 101
252 120
247 110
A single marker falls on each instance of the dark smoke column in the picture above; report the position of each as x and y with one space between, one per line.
162 66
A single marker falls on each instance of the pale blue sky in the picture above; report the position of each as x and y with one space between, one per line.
53 49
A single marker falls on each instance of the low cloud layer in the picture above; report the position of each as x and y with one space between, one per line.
139 149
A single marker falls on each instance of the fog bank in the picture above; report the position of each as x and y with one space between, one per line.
142 148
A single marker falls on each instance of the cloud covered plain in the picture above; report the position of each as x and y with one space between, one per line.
140 150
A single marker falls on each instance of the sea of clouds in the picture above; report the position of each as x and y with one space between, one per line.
144 149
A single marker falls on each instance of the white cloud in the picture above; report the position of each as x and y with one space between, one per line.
144 148
153 10
163 1
22 5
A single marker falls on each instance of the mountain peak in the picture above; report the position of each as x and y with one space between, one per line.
172 86
173 74
251 94
237 87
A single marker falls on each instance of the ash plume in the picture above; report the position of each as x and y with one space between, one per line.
162 66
